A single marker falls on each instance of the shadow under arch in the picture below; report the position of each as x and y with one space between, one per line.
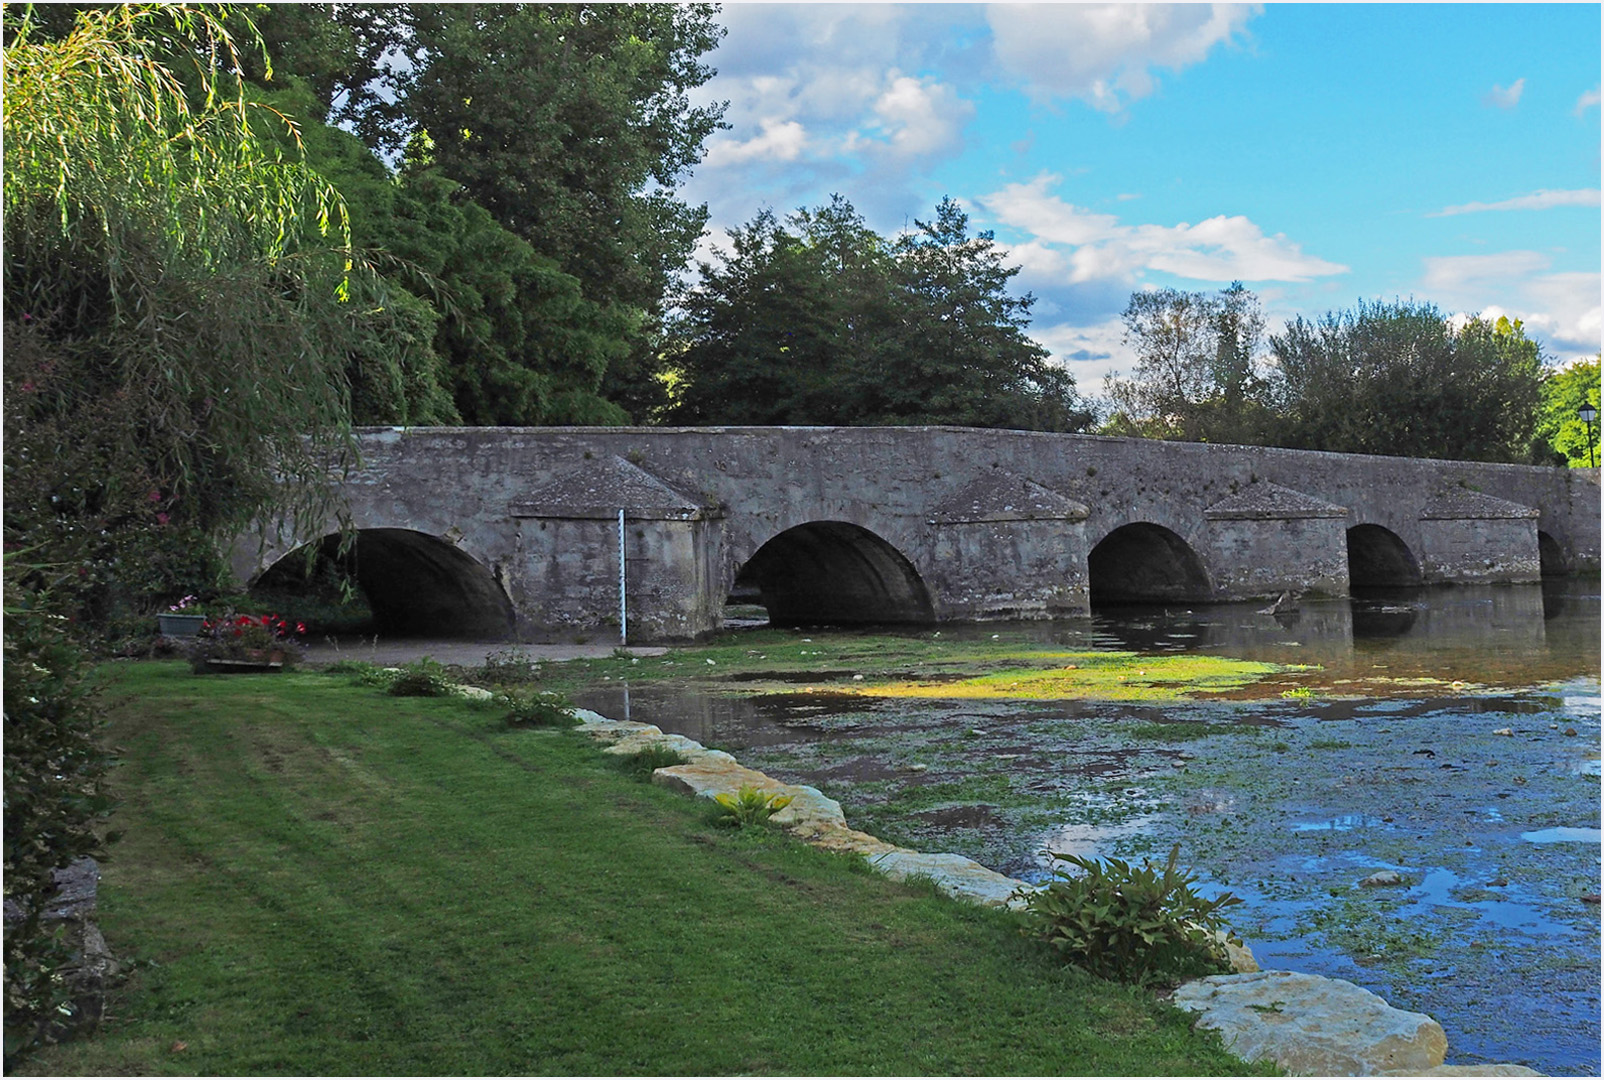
834 572
1551 557
1144 563
417 584
1378 559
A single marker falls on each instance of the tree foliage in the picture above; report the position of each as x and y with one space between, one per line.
570 124
1400 379
819 320
1198 372
1562 435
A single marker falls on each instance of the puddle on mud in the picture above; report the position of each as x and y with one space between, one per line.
1287 803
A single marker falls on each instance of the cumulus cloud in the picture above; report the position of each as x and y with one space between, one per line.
1588 100
1537 200
1105 54
1560 308
1091 246
778 140
1504 97
913 118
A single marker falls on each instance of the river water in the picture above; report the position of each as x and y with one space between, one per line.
1451 736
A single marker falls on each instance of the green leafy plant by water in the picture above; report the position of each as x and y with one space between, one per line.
421 678
643 763
533 708
1142 925
749 806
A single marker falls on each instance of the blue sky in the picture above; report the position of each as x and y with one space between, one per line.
1319 153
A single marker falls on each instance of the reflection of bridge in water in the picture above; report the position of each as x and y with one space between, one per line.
489 532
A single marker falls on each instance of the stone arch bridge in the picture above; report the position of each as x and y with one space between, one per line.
497 532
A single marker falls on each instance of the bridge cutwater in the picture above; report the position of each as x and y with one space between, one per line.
502 532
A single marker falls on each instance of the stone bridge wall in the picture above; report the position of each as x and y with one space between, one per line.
992 524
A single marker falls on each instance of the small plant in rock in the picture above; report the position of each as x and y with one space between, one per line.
749 806
643 763
1302 693
530 708
1142 925
507 667
421 678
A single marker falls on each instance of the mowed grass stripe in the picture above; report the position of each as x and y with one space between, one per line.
321 879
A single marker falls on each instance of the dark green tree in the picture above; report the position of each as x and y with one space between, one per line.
819 320
1399 379
570 124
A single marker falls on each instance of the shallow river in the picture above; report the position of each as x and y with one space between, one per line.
1450 735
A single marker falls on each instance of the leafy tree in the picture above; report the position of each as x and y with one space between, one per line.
1562 437
819 320
1399 379
179 304
570 123
1197 373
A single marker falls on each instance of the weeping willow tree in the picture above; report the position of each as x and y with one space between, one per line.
178 294
178 315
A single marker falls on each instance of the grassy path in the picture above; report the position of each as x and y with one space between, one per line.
319 879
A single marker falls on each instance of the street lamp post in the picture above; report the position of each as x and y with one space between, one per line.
1587 414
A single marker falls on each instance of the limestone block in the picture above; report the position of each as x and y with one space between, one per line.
953 874
1313 1026
602 729
833 837
635 742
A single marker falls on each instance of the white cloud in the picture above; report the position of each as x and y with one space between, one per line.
913 118
1537 200
1561 309
1588 100
779 140
1453 275
1105 54
1089 352
1219 249
1502 97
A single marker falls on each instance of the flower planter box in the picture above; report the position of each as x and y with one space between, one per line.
264 662
176 625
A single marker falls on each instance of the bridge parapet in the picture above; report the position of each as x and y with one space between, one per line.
953 522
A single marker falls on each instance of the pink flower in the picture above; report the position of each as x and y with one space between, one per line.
154 496
162 518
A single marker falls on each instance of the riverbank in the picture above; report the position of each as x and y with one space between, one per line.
319 879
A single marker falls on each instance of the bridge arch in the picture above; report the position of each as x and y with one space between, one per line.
417 585
1145 563
1379 559
835 572
1551 556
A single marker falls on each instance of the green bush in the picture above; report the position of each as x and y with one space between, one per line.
421 678
748 806
526 708
56 801
507 667
1141 925
643 763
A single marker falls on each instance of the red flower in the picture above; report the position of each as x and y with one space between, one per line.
243 620
300 628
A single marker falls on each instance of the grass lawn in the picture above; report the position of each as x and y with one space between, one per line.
320 879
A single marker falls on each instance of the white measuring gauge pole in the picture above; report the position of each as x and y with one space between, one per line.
623 602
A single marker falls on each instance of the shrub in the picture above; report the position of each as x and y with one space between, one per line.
643 763
507 667
1141 925
527 708
56 800
421 678
246 637
749 806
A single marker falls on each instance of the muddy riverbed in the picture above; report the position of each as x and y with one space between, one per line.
1452 738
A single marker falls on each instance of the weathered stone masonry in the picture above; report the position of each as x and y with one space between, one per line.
517 527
